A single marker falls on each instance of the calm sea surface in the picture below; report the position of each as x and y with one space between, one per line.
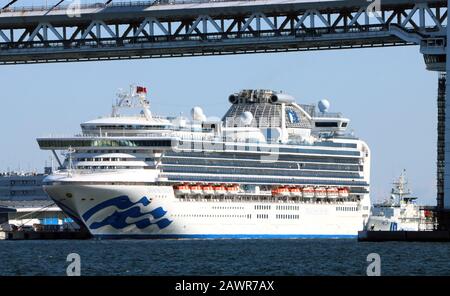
223 257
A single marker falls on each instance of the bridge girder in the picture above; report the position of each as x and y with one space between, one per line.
216 28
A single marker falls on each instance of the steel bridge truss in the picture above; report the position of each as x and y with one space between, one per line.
269 28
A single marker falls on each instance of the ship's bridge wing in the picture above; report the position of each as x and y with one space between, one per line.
162 143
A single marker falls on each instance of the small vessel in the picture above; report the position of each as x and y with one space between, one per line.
320 192
219 189
308 192
343 192
196 189
295 191
182 189
400 212
281 191
208 190
232 189
332 192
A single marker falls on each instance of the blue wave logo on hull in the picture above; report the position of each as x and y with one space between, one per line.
118 219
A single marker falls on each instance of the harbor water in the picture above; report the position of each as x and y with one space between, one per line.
223 257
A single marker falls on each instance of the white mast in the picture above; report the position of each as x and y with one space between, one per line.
136 97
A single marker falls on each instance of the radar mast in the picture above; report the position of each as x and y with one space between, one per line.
135 98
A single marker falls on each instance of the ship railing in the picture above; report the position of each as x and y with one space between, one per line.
139 116
112 4
328 115
241 197
189 137
81 6
276 181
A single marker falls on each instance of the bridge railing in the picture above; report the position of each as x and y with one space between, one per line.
112 4
186 32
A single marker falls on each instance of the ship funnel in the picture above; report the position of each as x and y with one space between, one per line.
281 98
233 99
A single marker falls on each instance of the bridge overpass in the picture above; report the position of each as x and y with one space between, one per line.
165 28
115 30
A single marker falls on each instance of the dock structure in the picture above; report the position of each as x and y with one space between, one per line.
410 236
30 220
44 235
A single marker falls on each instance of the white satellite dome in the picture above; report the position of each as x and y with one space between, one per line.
323 105
197 114
246 118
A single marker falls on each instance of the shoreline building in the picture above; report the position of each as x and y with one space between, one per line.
24 203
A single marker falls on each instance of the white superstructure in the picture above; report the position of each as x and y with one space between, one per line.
269 168
400 212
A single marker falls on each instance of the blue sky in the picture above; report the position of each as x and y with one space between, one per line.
386 92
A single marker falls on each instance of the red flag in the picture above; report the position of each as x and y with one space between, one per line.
141 89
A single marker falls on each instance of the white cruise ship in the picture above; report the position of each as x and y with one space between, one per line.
270 168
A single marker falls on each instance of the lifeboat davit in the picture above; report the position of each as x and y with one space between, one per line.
320 192
232 189
343 192
281 192
295 191
181 189
332 192
219 189
308 192
196 189
208 189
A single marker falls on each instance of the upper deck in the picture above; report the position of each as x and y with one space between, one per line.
258 118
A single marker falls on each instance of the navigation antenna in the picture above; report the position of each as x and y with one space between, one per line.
135 98
400 186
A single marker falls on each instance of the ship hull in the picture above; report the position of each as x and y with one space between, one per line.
147 211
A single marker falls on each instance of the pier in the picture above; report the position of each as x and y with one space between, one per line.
43 235
411 236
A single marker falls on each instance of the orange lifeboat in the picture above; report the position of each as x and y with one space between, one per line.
181 189
343 192
320 192
232 189
295 191
219 189
196 189
308 192
280 191
208 189
332 192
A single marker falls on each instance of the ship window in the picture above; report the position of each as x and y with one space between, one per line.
327 124
344 124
